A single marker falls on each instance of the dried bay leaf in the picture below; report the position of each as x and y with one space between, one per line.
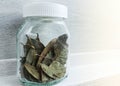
28 76
63 38
27 47
46 50
36 43
62 57
31 57
61 49
32 70
26 73
59 69
46 69
43 77
55 70
44 64
48 59
32 49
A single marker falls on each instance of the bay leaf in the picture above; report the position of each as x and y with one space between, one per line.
63 38
45 78
42 75
62 56
48 59
59 69
32 70
46 69
61 49
31 56
55 70
26 50
36 43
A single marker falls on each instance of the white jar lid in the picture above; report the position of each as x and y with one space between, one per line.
45 9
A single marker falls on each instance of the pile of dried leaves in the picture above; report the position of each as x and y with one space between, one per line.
44 63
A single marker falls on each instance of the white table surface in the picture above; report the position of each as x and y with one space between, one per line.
77 75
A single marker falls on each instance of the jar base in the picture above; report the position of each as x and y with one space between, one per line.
51 83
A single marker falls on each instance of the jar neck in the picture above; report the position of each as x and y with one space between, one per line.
38 18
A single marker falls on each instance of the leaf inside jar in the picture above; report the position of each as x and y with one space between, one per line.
44 63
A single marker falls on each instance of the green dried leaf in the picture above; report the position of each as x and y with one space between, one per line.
61 49
36 43
59 69
26 74
62 57
32 70
45 78
31 57
48 59
52 66
27 48
63 38
46 69
55 70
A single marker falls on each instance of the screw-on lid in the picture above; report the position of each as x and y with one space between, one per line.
45 9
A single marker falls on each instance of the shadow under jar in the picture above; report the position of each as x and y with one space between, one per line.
42 45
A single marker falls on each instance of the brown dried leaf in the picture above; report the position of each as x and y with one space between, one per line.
32 70
31 57
46 50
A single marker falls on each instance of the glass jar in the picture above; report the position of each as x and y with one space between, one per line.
42 45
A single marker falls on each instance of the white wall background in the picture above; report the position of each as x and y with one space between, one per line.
94 25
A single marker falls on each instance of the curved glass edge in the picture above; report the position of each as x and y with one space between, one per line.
51 83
